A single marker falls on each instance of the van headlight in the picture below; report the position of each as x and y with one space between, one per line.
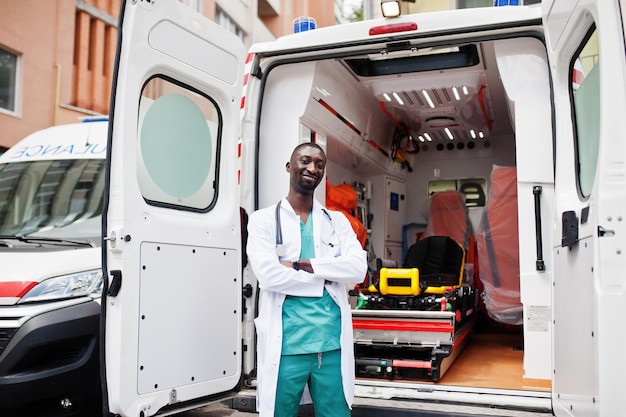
66 286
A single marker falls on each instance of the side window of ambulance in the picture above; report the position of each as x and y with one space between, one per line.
474 189
179 137
585 90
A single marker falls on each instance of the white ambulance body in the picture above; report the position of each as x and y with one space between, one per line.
51 190
477 89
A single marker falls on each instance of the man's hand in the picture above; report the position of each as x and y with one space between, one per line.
303 264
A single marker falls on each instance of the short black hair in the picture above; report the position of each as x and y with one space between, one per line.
307 144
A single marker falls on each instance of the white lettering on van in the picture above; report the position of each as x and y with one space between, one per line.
56 150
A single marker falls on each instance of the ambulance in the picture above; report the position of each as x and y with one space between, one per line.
51 192
519 110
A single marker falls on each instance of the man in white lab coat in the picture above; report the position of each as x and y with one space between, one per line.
305 258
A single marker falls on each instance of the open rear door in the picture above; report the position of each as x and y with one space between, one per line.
585 42
172 306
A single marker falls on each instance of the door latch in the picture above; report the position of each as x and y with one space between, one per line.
116 283
569 231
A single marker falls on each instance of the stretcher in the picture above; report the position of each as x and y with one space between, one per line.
411 323
409 346
409 343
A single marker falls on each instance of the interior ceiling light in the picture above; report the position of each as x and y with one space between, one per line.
390 8
448 133
398 99
386 96
428 138
421 138
473 133
323 91
465 91
427 98
455 91
481 135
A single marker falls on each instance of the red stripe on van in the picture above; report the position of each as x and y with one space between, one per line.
16 288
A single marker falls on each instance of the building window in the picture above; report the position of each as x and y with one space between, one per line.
227 22
9 66
95 40
194 4
468 4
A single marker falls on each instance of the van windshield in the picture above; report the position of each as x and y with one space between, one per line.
52 198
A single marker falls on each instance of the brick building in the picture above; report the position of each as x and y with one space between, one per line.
57 56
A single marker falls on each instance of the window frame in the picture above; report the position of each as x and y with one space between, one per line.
457 184
146 182
583 193
18 85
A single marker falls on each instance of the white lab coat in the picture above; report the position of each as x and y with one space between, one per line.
340 261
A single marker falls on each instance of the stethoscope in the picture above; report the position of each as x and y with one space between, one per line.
280 249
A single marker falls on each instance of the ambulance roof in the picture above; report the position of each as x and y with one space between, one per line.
449 20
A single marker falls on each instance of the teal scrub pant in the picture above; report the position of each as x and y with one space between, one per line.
322 371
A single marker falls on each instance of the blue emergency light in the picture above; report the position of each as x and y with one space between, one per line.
303 23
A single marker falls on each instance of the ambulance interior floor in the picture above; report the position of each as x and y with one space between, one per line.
492 358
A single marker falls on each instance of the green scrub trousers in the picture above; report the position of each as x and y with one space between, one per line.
322 371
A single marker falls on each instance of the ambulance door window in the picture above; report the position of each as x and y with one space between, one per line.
179 139
585 90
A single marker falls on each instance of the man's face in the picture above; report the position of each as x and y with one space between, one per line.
306 169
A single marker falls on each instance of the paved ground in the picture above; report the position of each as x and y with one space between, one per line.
379 408
216 410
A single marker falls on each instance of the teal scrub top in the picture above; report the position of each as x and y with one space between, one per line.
310 324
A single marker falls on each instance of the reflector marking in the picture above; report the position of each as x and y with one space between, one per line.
393 28
16 288
411 364
340 117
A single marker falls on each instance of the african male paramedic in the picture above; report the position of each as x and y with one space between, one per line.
305 258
